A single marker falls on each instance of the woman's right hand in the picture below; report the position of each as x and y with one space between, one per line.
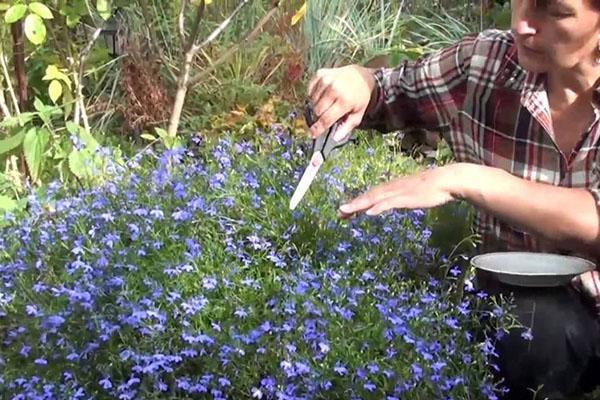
340 94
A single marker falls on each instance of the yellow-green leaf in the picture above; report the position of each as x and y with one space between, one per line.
15 13
55 90
51 73
148 136
41 9
35 30
7 204
299 14
68 102
103 8
4 6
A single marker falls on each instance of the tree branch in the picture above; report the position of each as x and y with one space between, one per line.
181 23
199 77
196 26
3 105
219 28
11 89
79 103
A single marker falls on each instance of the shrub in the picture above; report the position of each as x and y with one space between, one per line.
186 276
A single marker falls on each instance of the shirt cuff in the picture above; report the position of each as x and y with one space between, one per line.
376 100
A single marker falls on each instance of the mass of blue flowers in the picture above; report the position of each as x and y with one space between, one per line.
185 276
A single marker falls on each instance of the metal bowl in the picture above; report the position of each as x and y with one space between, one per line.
532 269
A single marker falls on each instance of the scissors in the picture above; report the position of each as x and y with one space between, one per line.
323 147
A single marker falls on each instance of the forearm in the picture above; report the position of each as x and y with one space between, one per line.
563 215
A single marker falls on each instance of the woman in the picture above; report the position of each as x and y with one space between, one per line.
521 111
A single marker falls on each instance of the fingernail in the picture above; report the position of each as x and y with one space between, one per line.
345 208
339 135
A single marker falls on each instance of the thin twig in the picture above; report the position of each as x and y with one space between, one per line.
11 89
220 28
232 50
3 106
80 104
181 23
196 26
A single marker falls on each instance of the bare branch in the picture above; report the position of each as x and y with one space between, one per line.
232 50
79 102
3 105
181 22
88 47
11 89
196 26
220 28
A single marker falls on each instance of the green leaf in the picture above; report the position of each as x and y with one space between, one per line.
55 90
39 105
35 30
73 20
161 132
89 141
15 13
68 102
72 127
7 204
51 73
40 9
103 8
25 117
34 145
80 162
148 136
12 142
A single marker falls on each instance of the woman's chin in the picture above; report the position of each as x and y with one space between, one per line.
534 64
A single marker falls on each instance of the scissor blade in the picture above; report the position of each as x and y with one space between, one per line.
307 177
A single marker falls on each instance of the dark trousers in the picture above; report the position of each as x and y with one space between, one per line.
562 361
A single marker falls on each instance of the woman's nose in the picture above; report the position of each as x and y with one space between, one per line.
524 27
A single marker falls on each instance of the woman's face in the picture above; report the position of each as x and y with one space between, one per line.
555 34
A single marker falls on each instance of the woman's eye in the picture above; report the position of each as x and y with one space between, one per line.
561 14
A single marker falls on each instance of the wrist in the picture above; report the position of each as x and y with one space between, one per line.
460 180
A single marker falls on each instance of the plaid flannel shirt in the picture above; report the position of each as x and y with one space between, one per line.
492 112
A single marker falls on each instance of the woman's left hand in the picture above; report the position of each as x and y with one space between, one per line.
426 189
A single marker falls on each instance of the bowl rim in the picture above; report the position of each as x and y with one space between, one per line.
585 261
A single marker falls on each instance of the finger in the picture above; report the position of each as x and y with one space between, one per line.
359 204
318 84
328 118
369 199
327 100
312 85
381 207
346 126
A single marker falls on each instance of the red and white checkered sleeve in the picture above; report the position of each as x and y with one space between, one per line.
423 93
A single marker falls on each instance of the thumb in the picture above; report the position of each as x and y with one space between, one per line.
346 125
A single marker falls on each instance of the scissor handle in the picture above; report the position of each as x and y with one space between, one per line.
325 143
